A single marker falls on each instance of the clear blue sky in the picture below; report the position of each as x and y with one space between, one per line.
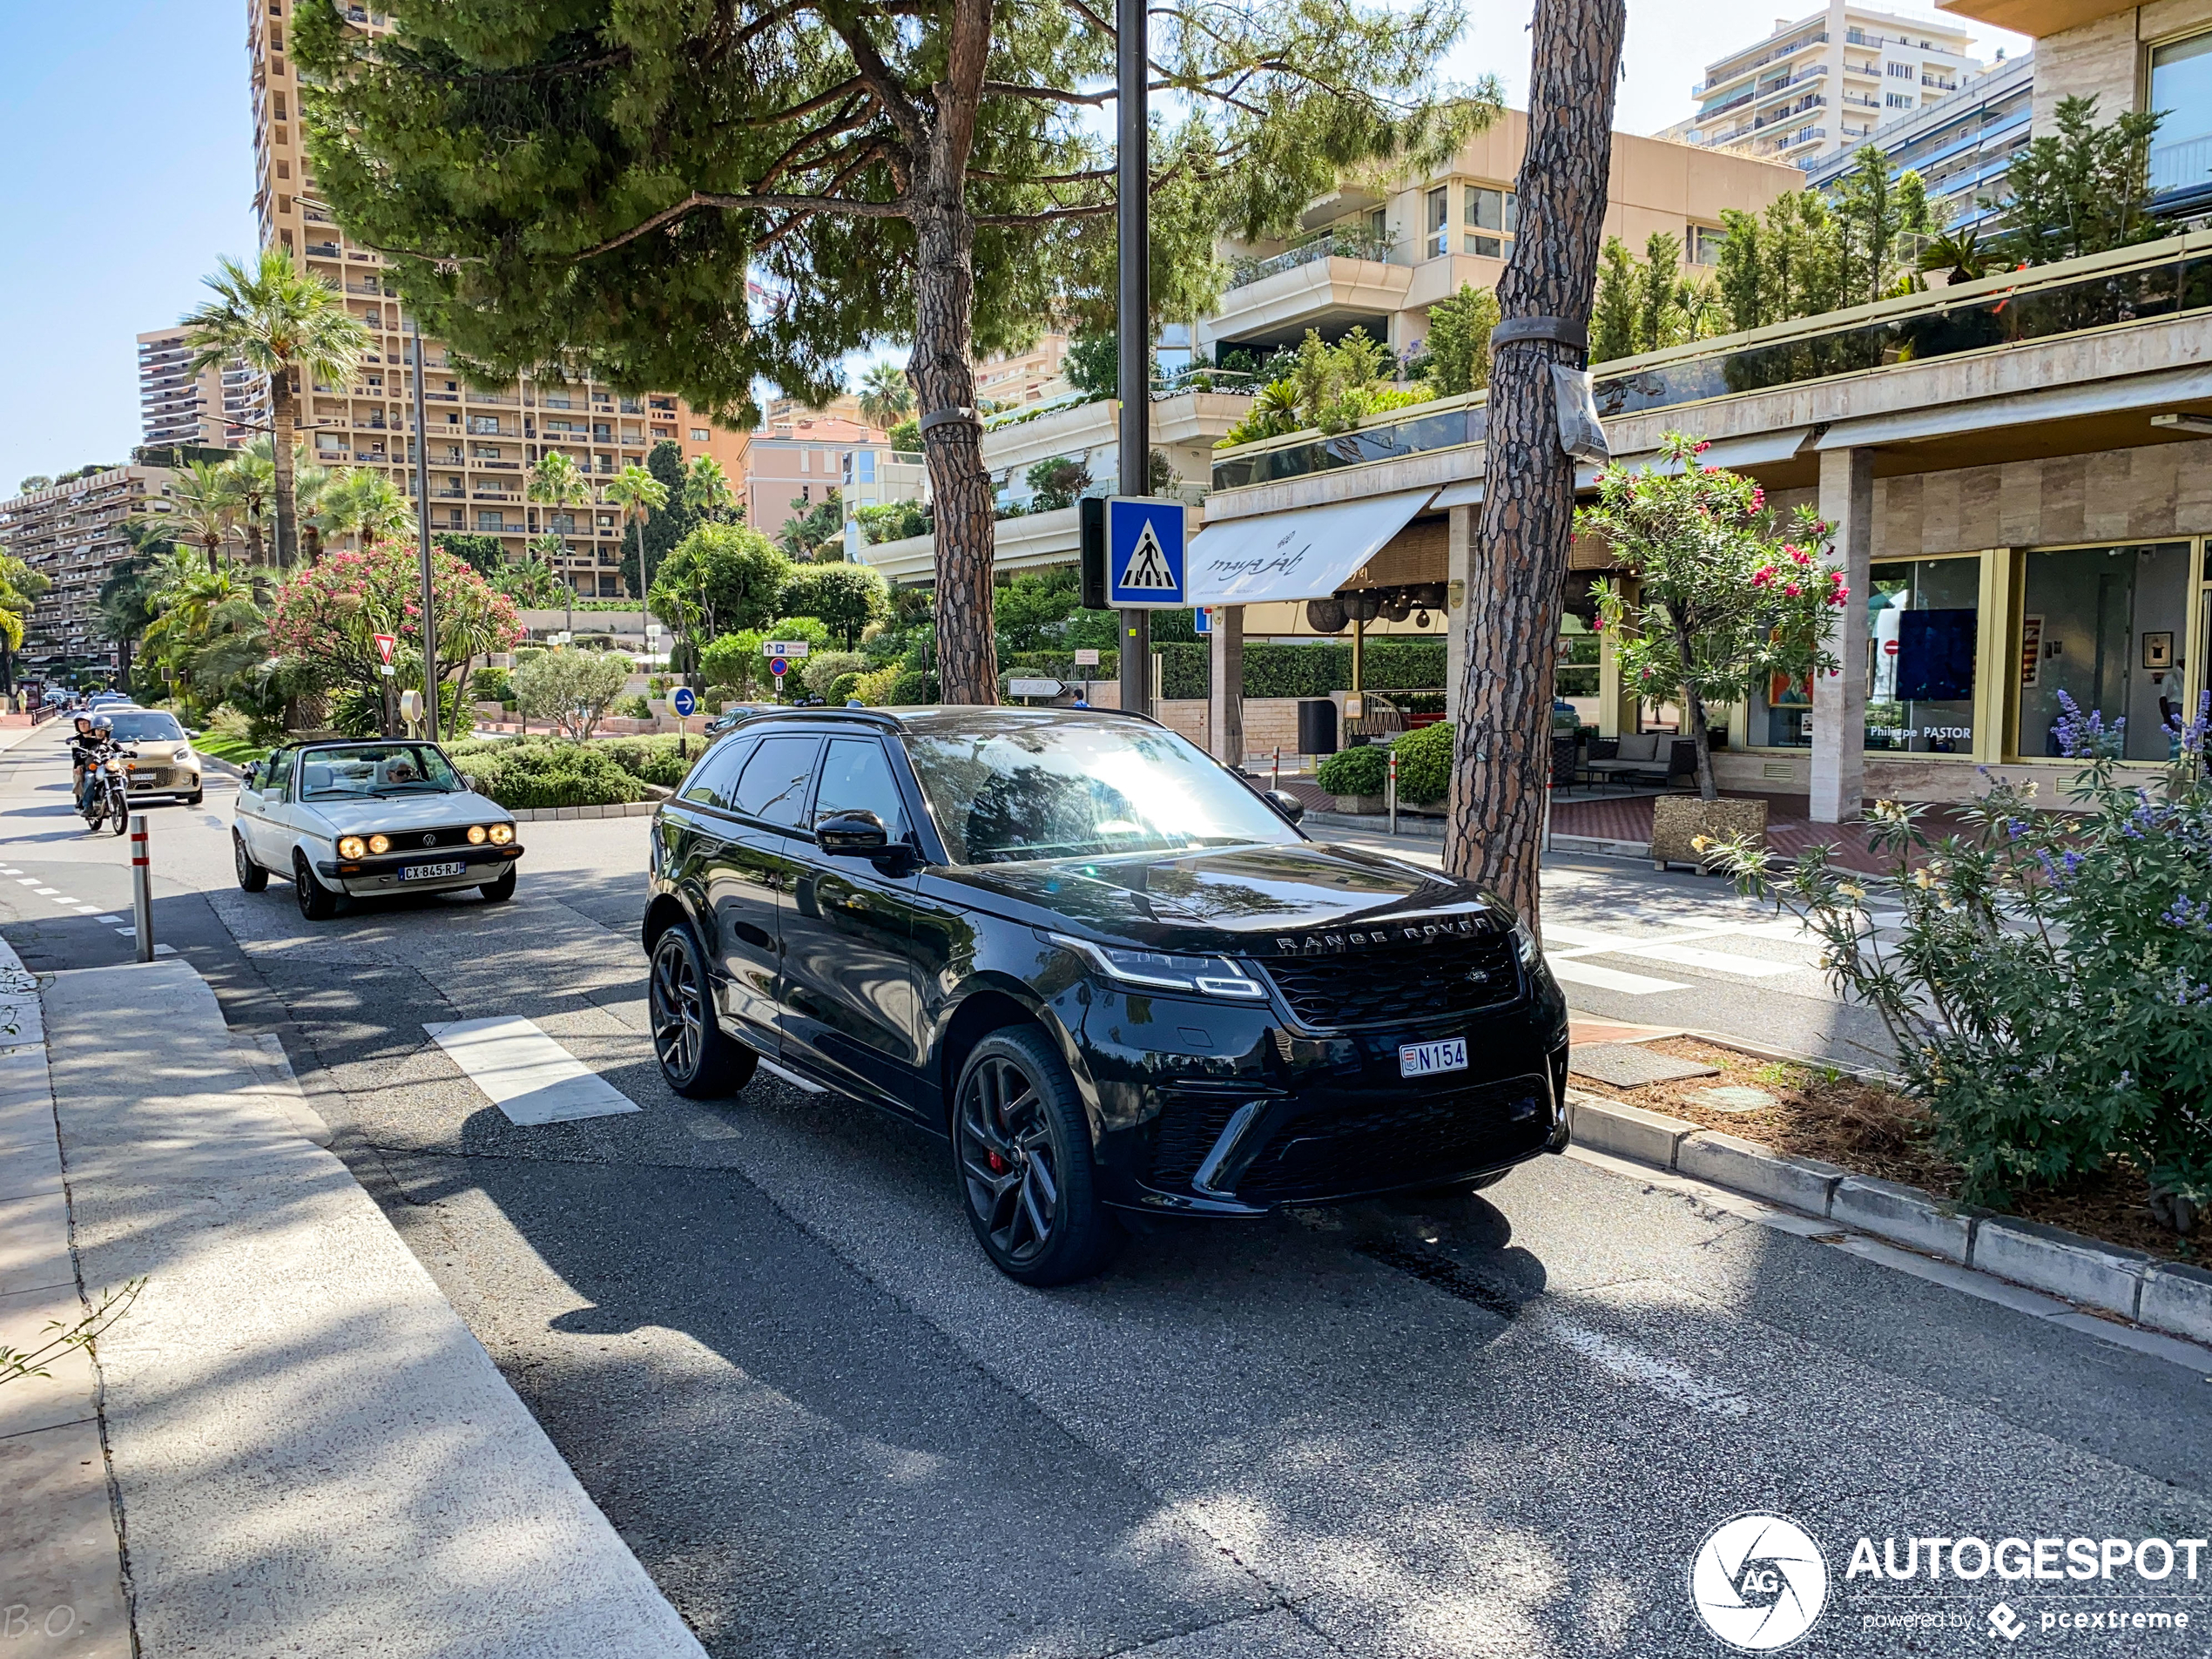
127 136
126 131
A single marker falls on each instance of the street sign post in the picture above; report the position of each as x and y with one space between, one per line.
779 666
1202 620
1144 553
683 700
384 643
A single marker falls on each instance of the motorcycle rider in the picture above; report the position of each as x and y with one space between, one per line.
93 743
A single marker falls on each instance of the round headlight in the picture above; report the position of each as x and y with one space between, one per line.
380 843
350 847
501 834
475 835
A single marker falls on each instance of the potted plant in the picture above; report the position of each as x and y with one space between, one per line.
1724 600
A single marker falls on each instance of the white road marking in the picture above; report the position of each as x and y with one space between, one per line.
1588 941
87 909
125 932
1663 1377
47 893
28 881
525 1073
64 899
111 919
1570 971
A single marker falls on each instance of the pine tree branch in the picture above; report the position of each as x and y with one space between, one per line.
883 81
1051 94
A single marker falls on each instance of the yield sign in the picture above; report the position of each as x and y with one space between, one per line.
384 643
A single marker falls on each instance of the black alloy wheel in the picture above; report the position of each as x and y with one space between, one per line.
1021 1152
252 878
696 1056
316 902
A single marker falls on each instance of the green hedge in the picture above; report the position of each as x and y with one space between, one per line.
1269 669
536 774
1425 764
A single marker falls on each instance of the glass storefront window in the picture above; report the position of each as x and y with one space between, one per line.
2105 625
1574 672
1922 619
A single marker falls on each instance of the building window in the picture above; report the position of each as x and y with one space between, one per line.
1438 239
1923 623
490 518
1490 216
2181 84
1705 244
1898 100
2105 625
700 434
1902 71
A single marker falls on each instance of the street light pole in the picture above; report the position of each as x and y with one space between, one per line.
1134 316
430 699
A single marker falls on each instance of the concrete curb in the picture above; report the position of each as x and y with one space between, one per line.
2169 1296
290 1365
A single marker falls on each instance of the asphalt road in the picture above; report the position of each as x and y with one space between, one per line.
761 1335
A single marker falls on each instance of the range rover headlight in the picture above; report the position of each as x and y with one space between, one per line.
352 846
475 835
502 834
1159 970
380 843
1525 946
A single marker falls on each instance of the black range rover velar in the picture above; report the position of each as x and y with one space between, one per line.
1113 975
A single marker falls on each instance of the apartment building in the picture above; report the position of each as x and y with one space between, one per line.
1960 145
793 462
71 533
482 441
1824 84
1380 257
223 407
2155 56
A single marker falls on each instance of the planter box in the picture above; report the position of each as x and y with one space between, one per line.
1369 806
1677 821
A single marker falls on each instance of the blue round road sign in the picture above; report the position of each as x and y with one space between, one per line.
779 666
682 702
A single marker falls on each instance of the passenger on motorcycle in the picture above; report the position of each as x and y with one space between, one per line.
88 745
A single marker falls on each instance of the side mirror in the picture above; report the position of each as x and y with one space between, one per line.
469 782
853 833
1286 803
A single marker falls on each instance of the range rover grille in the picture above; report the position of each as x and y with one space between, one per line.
1397 982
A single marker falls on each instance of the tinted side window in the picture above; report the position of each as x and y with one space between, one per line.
773 785
856 778
713 781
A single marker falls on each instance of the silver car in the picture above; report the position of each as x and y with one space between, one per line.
165 766
369 820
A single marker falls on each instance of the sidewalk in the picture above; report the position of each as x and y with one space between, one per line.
310 1452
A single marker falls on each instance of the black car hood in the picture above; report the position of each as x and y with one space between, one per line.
1252 894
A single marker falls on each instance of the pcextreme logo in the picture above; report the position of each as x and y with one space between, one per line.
1759 1582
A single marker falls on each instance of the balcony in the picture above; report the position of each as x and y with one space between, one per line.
322 250
1243 273
1742 69
2146 285
1322 288
2182 168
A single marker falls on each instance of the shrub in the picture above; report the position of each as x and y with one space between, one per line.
875 687
491 685
1354 772
652 760
841 689
2049 991
913 686
1425 764
633 708
573 688
535 774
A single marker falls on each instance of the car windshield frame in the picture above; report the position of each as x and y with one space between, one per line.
428 759
1097 775
116 716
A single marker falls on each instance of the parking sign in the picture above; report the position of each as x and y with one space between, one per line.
1144 546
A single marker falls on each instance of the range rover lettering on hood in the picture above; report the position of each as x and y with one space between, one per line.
1397 932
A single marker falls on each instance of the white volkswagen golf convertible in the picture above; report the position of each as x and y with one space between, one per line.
368 820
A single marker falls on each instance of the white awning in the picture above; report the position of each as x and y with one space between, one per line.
1306 554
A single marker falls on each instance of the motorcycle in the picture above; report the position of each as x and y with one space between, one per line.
108 800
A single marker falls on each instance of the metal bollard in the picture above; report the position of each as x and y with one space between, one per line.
1549 783
1393 790
1274 773
141 886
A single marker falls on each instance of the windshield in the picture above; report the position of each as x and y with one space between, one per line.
153 726
1052 792
375 769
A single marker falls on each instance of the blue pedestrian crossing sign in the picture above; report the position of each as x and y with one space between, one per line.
683 701
1144 547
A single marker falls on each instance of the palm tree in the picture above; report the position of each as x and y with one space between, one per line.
535 582
886 393
640 496
276 319
706 487
251 477
558 480
202 510
21 587
208 625
367 505
311 486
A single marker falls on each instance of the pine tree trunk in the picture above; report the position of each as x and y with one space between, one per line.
287 523
960 486
1503 758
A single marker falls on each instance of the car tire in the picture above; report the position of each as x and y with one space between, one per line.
316 902
500 890
252 878
196 798
698 1059
1021 1160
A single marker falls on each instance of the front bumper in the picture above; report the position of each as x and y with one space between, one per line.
367 878
1264 1116
160 782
